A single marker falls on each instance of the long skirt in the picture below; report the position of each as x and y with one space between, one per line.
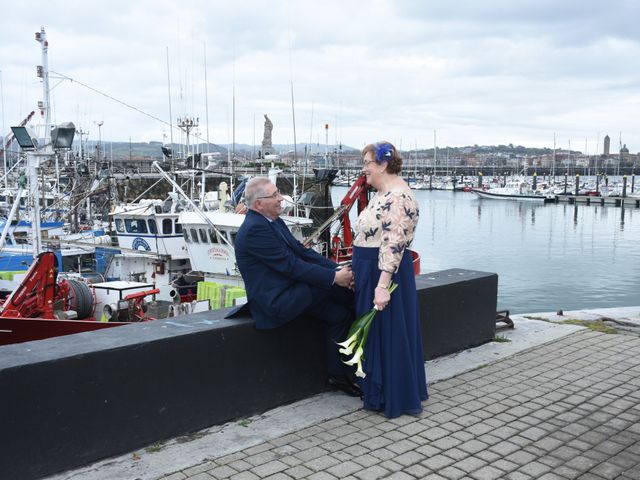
395 381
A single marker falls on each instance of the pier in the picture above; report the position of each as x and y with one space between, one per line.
631 202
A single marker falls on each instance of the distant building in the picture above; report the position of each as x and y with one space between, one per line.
607 145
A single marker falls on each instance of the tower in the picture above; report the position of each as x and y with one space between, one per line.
607 145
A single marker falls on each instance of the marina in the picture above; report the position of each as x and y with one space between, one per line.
548 257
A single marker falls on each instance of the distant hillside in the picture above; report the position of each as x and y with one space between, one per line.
153 149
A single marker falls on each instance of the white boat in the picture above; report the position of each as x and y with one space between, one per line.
514 189
210 239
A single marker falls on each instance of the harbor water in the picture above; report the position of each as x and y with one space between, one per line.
548 257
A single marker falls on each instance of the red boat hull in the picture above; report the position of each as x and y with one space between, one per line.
18 330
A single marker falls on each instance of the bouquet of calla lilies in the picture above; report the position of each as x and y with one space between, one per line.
357 337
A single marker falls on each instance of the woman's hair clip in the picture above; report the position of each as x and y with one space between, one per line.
384 152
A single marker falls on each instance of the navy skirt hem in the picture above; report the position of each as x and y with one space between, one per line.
395 381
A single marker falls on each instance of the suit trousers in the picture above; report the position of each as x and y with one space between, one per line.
336 308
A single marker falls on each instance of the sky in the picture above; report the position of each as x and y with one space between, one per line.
416 73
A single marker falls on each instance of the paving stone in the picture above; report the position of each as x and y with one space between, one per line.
517 476
417 471
582 463
391 466
520 457
452 473
367 460
457 454
408 458
473 446
435 433
230 458
470 464
222 471
371 473
245 476
202 467
310 454
608 470
383 454
437 462
280 476
322 463
625 460
487 473
322 476
240 465
535 469
300 471
566 472
400 476
446 443
200 476
269 468
505 465
428 450
402 446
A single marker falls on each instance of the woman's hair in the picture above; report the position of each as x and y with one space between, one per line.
385 152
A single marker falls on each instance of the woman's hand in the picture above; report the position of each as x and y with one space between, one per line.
381 298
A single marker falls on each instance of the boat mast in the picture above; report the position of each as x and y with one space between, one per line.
173 161
4 140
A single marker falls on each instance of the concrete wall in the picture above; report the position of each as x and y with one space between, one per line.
72 400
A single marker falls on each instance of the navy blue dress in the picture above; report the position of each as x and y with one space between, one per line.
395 381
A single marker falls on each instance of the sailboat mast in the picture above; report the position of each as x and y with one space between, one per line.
206 96
4 148
173 165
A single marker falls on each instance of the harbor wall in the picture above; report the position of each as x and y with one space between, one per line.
74 400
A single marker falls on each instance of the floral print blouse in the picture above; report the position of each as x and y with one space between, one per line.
389 223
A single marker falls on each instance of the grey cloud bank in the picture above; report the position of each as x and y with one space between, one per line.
476 72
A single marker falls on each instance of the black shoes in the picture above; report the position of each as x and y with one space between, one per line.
342 383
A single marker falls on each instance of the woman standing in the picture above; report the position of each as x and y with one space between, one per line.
395 381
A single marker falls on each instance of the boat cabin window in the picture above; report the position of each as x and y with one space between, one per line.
185 234
167 226
232 237
203 235
178 227
134 225
152 226
212 236
119 225
194 235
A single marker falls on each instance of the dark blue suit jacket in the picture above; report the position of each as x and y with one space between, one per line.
280 274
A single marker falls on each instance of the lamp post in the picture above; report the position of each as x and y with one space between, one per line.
61 138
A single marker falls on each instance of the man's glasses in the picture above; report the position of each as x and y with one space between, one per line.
274 195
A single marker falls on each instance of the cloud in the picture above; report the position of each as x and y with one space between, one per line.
476 72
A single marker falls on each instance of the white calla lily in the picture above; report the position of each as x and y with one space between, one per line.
356 356
349 344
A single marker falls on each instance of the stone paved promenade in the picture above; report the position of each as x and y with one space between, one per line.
567 409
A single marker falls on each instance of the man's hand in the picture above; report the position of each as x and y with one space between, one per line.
344 277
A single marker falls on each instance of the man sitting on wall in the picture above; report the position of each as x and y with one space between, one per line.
284 279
